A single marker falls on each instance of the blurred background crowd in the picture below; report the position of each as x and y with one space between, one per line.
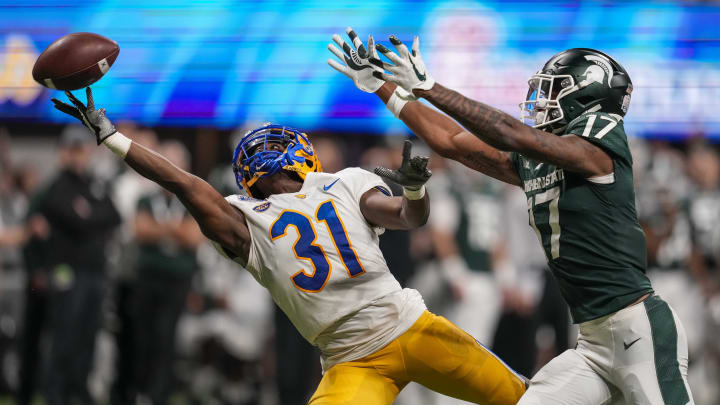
109 293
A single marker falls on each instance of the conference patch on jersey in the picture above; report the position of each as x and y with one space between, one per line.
262 207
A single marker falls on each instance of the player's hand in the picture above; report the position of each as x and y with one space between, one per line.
357 64
408 70
413 172
94 120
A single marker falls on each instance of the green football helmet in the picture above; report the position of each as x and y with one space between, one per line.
573 82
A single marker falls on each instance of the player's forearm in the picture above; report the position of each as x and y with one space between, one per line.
496 128
451 141
157 168
186 186
217 219
434 128
414 213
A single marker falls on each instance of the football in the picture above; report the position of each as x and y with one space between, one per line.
75 61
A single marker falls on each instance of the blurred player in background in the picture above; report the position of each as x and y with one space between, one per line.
573 161
81 217
469 242
375 337
167 238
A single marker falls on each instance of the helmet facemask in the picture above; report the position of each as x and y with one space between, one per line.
541 108
253 160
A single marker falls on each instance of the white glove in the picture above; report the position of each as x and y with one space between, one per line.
356 63
409 70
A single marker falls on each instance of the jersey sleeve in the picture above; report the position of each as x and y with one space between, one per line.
604 130
253 264
360 181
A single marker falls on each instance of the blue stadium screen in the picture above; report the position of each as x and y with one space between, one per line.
222 63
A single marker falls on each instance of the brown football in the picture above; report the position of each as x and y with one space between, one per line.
75 61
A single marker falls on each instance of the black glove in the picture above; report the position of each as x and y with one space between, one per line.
94 120
413 171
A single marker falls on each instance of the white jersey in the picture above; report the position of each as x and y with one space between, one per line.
320 259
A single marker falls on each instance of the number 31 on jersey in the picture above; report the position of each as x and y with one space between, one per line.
305 247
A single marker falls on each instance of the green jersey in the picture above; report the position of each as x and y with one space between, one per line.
164 257
588 227
478 228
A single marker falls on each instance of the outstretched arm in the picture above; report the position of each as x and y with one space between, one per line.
441 133
218 220
489 124
506 133
451 141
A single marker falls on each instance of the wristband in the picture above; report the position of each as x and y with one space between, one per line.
414 194
397 101
118 143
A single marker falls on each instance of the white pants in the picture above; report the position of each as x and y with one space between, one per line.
637 356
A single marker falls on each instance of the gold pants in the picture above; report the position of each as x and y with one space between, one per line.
433 352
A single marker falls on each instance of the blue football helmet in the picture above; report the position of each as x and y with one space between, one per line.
252 160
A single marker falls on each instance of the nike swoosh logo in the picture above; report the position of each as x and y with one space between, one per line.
420 76
327 186
627 345
539 166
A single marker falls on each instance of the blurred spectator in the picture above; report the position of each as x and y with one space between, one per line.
222 176
534 325
35 255
167 238
668 227
330 154
227 333
81 218
394 244
16 184
703 213
469 240
129 187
